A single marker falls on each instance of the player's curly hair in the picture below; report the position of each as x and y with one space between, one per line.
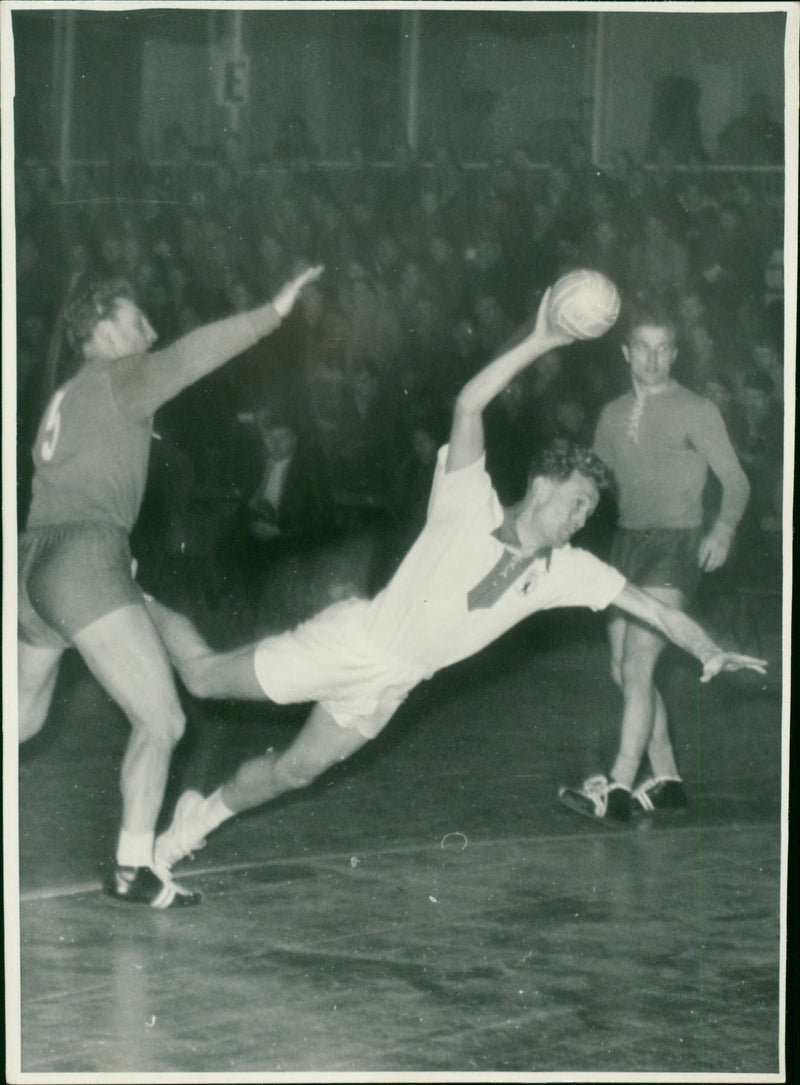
562 457
91 301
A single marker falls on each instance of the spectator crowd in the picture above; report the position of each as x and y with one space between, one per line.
330 427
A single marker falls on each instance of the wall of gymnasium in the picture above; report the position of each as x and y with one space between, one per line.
480 91
730 55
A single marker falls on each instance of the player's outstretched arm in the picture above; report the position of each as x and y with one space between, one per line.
143 383
466 434
684 632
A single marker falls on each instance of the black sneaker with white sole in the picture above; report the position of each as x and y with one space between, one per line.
142 885
600 799
659 793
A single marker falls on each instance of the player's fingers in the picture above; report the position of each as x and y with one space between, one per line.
750 661
308 276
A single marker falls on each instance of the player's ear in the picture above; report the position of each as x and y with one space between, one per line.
626 353
539 489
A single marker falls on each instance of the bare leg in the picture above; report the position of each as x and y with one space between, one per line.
320 744
643 710
125 654
38 670
204 672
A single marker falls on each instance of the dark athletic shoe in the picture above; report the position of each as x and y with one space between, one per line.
659 793
141 885
600 799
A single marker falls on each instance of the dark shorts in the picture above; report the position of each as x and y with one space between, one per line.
69 576
658 557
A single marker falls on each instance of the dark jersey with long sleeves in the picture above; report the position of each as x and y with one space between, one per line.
92 450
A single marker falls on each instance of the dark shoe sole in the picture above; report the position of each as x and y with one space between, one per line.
578 808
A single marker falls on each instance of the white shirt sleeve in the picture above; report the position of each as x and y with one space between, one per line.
585 580
460 494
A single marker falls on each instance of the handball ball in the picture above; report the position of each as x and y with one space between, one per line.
584 304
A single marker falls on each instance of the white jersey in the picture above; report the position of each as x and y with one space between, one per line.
424 618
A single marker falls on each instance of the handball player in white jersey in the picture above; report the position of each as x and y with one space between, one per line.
475 570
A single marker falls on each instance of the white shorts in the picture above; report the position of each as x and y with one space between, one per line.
333 660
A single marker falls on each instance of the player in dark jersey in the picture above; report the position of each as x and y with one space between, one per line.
76 587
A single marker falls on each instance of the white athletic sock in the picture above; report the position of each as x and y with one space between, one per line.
135 849
213 812
624 770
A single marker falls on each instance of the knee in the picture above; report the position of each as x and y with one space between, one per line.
294 775
164 728
197 676
636 671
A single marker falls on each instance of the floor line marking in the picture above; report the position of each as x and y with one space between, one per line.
58 892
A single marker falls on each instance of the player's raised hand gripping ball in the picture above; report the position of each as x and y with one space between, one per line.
583 304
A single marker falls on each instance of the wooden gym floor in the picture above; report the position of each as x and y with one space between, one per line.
428 907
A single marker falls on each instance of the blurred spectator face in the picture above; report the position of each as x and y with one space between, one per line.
488 311
425 448
605 234
729 221
754 403
546 369
32 331
702 344
362 213
571 416
188 319
637 184
363 298
387 251
600 202
178 277
520 159
655 229
441 249
691 198
131 253
77 258
411 278
720 395
464 338
356 272
512 396
557 183
365 383
429 201
311 304
146 274
766 358
691 309
488 251
190 233
113 251
198 201
543 217
270 251
280 440
240 297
